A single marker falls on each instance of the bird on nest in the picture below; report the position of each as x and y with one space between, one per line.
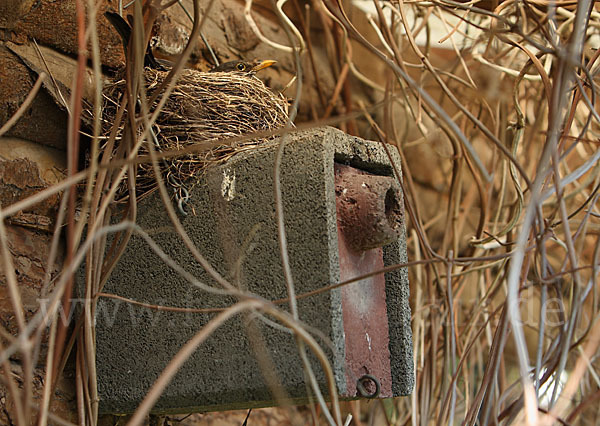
243 67
124 30
209 108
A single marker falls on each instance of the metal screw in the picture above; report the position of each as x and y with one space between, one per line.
360 386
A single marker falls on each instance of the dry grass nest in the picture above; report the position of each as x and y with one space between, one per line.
203 107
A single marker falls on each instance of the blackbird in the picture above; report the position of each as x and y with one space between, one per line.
213 108
124 30
242 66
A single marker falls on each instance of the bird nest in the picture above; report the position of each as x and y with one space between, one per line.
203 107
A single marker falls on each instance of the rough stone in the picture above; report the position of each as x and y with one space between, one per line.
234 226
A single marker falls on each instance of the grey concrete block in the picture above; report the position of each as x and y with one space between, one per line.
234 227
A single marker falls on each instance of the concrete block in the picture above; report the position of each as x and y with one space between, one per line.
233 225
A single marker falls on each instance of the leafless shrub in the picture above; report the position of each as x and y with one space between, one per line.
503 135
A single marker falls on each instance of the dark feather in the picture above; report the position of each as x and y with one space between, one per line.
124 30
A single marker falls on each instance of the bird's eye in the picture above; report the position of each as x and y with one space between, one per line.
241 67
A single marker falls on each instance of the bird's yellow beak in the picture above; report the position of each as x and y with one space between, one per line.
262 65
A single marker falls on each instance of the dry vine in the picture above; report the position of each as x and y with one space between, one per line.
504 277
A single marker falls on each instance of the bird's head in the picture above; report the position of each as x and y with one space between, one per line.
243 67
